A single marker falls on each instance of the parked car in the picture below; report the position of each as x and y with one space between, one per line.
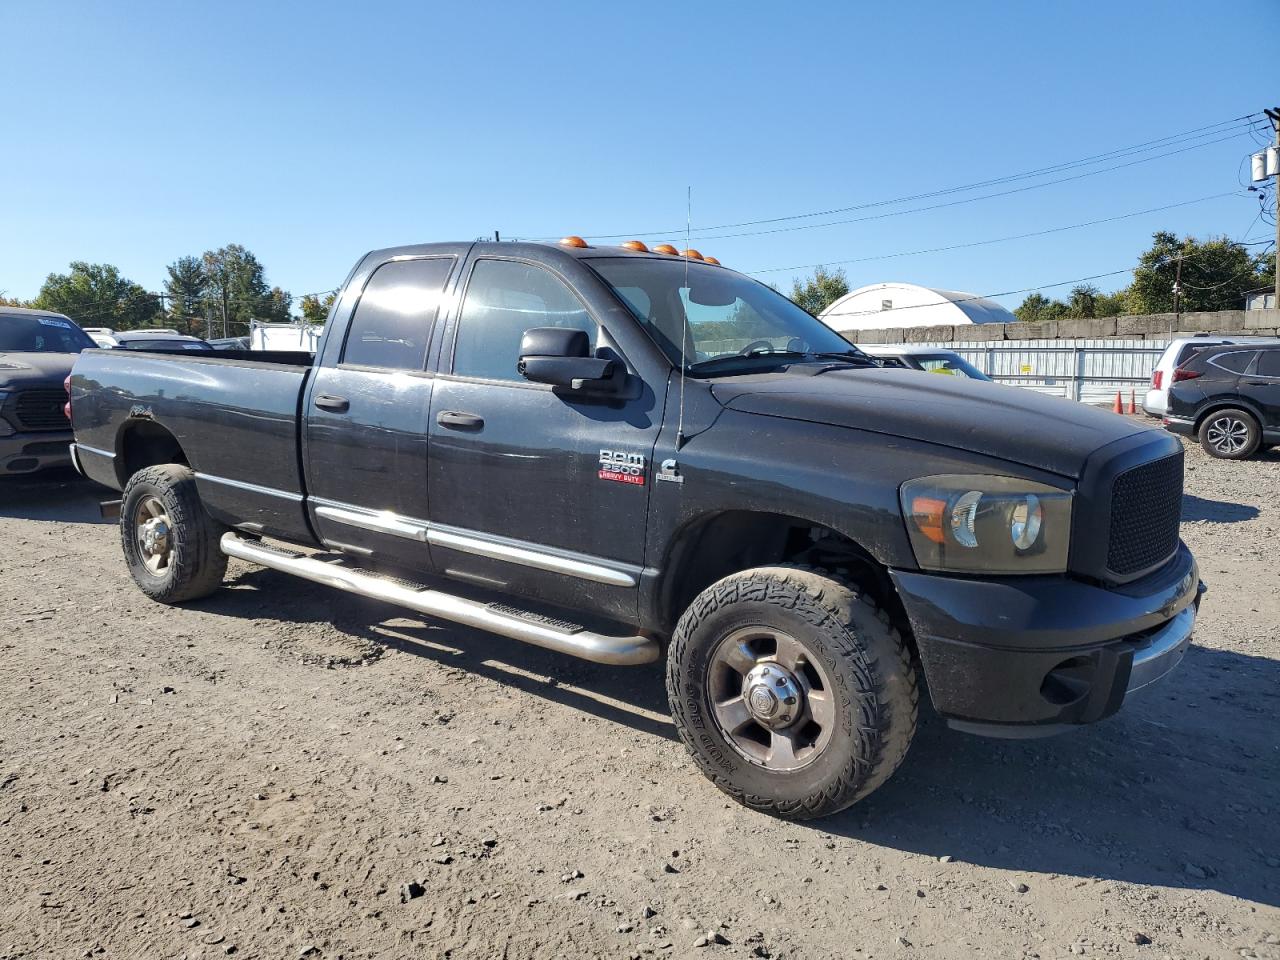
37 351
1228 398
928 359
1155 403
544 441
102 336
230 343
162 341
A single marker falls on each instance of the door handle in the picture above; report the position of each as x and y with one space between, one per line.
1257 383
336 404
459 420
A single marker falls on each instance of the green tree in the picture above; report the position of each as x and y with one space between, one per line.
7 301
1216 273
237 290
96 295
316 309
1037 308
819 291
186 289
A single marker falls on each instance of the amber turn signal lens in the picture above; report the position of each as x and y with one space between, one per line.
635 245
926 514
667 249
711 260
573 242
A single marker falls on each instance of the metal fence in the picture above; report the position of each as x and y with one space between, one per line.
1090 371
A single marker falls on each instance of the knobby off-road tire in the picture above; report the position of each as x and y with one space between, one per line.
181 559
1230 434
852 649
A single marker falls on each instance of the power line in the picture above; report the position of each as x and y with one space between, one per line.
982 243
1210 130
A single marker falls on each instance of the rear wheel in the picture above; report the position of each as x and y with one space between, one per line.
1230 434
170 543
791 690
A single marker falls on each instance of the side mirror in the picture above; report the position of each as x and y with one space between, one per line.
562 357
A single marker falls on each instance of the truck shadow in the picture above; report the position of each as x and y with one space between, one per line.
1215 511
1179 790
59 496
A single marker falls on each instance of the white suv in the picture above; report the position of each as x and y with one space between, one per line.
1174 356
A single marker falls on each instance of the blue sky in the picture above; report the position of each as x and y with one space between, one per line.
311 133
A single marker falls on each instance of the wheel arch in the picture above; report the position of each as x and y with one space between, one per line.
1228 403
144 443
715 545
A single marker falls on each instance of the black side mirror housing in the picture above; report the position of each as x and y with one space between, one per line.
561 356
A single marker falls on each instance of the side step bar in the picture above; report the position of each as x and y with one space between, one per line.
495 618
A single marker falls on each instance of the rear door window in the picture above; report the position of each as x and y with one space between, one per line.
1269 364
392 322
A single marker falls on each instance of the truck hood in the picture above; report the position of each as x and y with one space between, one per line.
1008 423
16 368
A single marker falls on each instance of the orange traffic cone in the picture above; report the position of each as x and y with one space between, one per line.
1118 406
1133 402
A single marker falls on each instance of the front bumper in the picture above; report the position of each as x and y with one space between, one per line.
22 453
1027 656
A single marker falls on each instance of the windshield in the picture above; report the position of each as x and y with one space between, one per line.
730 316
950 364
35 334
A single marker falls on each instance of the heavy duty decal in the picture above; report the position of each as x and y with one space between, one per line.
622 467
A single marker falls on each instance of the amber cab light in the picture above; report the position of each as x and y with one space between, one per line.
666 248
711 260
572 241
693 254
635 245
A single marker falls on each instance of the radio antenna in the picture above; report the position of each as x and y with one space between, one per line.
684 310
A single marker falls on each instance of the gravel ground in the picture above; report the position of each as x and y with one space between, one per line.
285 771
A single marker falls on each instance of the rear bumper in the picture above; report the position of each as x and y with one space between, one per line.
1029 656
24 453
98 465
1153 404
1179 425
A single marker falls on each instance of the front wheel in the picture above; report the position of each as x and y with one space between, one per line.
170 542
1230 434
791 690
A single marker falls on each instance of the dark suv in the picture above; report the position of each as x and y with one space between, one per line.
1228 397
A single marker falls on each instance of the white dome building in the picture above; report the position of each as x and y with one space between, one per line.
907 305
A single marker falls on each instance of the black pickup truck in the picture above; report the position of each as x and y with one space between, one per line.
622 454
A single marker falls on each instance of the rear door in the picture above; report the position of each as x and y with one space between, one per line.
1262 386
534 490
366 415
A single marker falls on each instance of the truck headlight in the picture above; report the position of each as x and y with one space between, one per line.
980 524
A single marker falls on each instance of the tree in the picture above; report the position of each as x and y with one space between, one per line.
237 290
1216 274
316 310
186 289
821 290
1037 308
7 301
96 295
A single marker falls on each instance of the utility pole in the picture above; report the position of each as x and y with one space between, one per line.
1274 117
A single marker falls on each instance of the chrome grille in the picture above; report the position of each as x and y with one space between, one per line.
1146 509
41 409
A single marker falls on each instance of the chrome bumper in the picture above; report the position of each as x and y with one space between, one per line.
1163 650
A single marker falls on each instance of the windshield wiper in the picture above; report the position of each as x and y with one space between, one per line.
861 359
730 358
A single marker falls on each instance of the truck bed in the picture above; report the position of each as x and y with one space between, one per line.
232 415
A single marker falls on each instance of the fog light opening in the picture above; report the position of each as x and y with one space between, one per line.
1068 682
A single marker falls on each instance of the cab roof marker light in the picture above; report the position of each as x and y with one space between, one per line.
711 260
693 254
635 245
573 241
666 248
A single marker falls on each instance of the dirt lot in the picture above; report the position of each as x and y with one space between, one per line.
284 771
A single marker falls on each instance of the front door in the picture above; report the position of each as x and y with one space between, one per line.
534 490
366 417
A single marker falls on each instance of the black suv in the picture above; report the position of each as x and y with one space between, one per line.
1228 396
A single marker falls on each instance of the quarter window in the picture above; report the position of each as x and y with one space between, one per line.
1234 362
393 320
504 299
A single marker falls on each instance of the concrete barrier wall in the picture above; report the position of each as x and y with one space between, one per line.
1156 326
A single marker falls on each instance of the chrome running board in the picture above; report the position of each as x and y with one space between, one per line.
501 619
